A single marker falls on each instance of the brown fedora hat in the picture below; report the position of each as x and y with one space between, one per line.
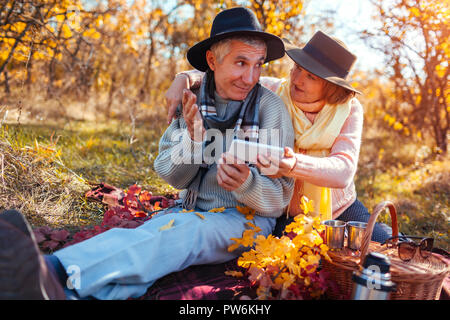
324 57
238 21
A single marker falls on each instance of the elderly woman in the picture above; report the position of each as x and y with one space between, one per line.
328 123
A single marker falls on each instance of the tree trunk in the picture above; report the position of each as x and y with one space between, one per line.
29 67
51 76
6 82
440 136
112 89
143 92
444 143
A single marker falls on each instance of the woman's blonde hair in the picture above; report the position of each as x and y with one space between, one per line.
334 94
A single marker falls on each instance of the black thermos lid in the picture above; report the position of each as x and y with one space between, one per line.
382 263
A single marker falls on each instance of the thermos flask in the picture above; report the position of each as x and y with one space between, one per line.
373 282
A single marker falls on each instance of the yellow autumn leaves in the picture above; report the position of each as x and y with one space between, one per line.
221 209
277 263
247 211
198 214
247 239
278 16
167 226
400 126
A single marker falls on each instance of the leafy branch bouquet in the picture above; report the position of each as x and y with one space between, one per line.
286 267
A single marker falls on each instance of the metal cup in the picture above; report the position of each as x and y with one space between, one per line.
355 234
334 233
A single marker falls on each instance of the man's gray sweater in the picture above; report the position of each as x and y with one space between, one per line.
266 195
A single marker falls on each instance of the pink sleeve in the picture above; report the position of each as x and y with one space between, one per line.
339 168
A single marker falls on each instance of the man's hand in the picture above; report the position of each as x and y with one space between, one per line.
192 116
174 95
231 173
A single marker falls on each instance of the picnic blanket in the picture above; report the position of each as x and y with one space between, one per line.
202 282
134 206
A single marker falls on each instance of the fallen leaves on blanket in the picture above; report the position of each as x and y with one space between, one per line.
146 196
186 211
140 214
286 267
156 206
138 206
200 215
247 211
59 235
50 239
167 226
236 274
248 237
254 227
221 209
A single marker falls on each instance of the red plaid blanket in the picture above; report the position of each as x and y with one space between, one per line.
203 282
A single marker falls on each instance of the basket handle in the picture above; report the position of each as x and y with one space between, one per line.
371 223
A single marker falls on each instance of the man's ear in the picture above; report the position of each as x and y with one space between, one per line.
211 60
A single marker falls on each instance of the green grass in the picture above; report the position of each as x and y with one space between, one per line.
115 152
106 152
405 172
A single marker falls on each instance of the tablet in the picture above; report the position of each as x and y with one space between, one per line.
248 151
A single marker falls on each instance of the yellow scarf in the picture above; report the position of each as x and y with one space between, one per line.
316 139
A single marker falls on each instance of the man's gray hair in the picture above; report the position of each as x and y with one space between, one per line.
222 48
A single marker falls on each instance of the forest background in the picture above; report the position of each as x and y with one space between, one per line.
82 88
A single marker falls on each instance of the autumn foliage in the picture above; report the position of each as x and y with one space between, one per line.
414 39
286 267
116 51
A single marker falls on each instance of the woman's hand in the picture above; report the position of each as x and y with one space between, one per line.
275 167
174 95
231 173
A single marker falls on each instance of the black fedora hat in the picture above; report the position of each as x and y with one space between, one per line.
237 21
325 57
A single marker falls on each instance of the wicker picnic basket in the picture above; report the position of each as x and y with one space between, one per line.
418 279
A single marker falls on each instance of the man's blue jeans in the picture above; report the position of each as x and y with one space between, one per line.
123 263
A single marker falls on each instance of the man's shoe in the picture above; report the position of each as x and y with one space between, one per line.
23 271
17 219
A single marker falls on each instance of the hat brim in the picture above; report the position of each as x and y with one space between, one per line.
196 55
315 67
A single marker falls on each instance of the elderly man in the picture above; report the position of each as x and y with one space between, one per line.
123 263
